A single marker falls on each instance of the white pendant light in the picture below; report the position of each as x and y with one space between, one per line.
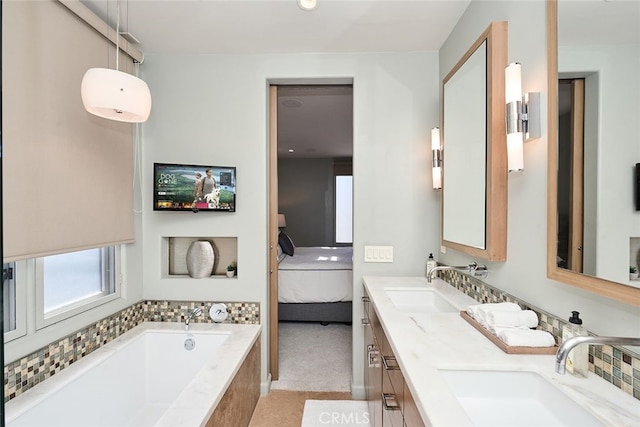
113 94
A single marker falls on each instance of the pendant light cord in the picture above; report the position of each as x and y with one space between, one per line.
137 166
117 35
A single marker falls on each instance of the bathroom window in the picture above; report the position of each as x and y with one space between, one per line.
14 300
9 296
68 284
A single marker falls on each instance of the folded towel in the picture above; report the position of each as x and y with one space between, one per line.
526 338
511 319
479 311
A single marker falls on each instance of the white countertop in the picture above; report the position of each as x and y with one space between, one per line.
424 343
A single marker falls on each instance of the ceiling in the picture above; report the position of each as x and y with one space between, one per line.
604 22
280 26
314 122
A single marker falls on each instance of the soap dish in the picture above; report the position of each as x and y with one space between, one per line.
509 349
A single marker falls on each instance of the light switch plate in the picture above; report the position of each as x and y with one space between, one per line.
378 254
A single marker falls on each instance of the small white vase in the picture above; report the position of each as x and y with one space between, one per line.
231 273
633 276
200 259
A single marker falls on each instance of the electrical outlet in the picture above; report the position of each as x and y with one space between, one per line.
378 254
443 249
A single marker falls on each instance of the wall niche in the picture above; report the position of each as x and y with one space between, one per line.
175 254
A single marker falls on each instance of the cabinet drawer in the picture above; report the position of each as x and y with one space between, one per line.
412 417
391 413
394 378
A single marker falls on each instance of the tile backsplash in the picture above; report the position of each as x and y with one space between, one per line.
32 369
616 365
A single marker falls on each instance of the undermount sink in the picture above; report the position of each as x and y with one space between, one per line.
509 398
416 300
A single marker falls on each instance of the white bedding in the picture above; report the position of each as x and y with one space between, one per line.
318 258
316 274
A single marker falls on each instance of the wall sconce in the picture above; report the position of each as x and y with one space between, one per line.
436 159
282 221
522 116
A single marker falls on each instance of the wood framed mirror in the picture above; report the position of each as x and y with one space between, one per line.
474 185
600 269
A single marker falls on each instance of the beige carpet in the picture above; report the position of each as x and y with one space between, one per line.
314 357
281 408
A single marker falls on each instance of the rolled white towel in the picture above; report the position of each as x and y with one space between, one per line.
517 337
496 330
478 311
512 319
488 308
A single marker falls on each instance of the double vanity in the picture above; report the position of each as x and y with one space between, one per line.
425 365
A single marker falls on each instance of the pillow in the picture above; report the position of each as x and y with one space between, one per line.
286 243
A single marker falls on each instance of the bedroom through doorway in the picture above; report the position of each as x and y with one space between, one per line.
311 223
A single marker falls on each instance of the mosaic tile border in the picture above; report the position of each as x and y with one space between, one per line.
32 369
616 365
177 311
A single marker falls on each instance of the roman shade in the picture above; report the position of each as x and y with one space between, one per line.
67 175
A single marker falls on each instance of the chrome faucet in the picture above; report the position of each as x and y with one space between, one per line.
474 269
568 345
194 313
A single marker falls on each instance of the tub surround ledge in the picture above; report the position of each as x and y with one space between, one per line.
426 343
195 404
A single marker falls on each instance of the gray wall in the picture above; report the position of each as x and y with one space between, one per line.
305 196
524 272
215 107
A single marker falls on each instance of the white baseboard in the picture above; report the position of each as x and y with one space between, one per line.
358 392
265 386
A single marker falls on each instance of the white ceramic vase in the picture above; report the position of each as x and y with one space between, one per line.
200 259
231 273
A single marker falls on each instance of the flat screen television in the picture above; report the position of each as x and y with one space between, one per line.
194 188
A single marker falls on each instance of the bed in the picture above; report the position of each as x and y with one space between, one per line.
315 284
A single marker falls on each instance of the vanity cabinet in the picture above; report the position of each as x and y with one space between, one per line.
389 399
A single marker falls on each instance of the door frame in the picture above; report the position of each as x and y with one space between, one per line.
272 213
274 361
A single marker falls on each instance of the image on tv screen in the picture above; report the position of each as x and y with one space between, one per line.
194 188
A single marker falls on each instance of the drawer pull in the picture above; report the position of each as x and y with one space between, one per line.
389 402
365 321
390 363
366 299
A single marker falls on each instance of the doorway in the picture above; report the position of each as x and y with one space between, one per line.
571 174
310 157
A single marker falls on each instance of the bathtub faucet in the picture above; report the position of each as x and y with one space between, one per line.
194 313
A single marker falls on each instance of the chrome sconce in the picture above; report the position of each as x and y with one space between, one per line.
436 158
522 116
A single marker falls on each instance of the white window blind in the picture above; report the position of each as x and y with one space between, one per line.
67 175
